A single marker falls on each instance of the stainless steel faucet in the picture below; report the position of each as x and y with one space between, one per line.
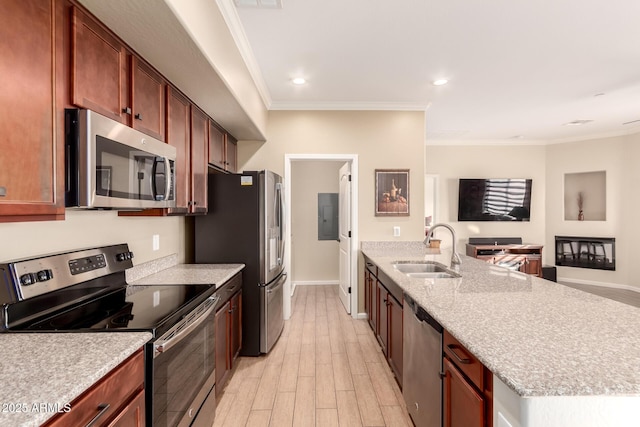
455 258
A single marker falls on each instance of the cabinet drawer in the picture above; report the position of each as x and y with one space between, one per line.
228 289
116 389
464 360
371 267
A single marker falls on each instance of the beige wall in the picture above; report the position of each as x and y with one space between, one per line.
312 260
381 139
452 162
618 157
83 229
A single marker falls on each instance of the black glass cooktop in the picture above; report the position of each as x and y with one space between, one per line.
145 308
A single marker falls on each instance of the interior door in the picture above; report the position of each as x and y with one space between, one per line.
344 236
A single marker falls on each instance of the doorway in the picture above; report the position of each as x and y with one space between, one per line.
351 247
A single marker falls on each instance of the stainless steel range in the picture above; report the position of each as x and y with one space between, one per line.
86 290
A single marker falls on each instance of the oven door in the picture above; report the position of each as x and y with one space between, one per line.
180 386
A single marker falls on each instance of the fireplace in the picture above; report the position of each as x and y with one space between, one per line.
586 252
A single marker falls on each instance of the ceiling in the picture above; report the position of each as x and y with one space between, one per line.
518 70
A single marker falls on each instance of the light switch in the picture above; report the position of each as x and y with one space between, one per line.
156 242
396 231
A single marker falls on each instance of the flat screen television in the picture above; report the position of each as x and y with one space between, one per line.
494 199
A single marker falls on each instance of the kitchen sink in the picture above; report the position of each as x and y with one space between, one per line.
424 269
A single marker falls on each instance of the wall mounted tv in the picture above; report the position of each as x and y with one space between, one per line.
494 199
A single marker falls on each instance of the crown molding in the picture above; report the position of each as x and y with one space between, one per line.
348 106
231 17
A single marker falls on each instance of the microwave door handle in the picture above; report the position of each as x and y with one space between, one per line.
168 178
154 188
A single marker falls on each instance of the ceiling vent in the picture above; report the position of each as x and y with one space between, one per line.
262 4
578 122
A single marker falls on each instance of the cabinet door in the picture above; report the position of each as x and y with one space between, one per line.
395 338
383 324
222 326
533 265
98 69
179 136
32 136
147 99
216 145
199 156
367 294
463 406
236 326
231 154
131 415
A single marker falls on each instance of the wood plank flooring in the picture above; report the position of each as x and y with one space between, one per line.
325 370
626 296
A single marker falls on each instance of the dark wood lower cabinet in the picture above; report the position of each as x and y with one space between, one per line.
228 321
383 304
467 388
463 406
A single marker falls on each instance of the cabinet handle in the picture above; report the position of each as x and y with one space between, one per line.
138 116
127 110
463 360
103 407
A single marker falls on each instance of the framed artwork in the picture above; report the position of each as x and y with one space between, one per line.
392 192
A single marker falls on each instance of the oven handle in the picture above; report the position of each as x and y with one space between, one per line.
162 346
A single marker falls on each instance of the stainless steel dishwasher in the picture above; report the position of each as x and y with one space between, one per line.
422 363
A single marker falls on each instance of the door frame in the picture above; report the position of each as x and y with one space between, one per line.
353 160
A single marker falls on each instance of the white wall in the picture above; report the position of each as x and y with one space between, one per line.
84 229
312 260
452 162
618 158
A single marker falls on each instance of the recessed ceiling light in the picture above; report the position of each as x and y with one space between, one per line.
440 82
267 4
299 81
578 122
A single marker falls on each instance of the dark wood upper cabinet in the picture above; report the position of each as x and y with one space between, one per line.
32 70
216 145
179 136
99 68
223 150
199 157
147 99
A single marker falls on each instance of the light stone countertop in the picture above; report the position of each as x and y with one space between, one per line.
193 274
539 337
40 369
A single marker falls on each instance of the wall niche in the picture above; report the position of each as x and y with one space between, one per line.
585 196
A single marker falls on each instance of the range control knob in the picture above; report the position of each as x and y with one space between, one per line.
28 279
44 275
124 256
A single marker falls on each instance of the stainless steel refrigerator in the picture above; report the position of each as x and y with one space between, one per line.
244 224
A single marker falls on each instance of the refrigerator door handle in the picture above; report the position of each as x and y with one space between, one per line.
281 209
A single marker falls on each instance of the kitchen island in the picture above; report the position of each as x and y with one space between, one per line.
559 356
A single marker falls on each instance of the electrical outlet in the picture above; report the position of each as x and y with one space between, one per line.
156 242
396 231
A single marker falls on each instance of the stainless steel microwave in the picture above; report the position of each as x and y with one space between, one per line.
112 166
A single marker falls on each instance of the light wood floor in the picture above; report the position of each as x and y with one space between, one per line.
626 296
326 370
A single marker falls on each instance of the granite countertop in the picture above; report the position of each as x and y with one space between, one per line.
539 337
40 369
193 274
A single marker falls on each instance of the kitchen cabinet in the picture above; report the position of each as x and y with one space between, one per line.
179 136
31 116
385 310
467 388
99 68
222 149
370 304
228 322
116 400
199 157
147 99
523 257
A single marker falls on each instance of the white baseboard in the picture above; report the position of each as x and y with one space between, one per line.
595 283
362 316
316 282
